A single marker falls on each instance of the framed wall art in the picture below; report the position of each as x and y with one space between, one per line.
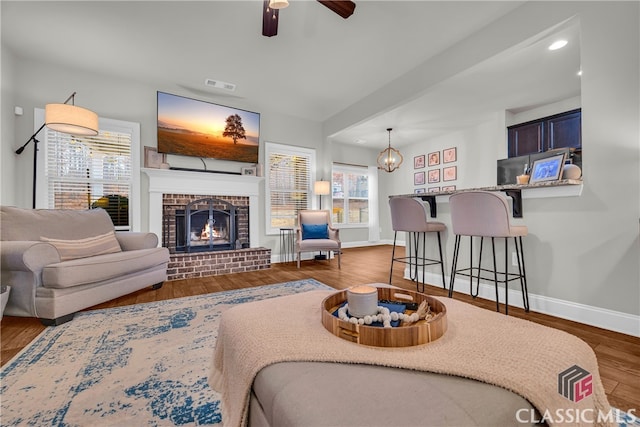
419 190
418 178
434 176
450 155
434 158
448 188
434 189
547 169
450 173
418 162
153 159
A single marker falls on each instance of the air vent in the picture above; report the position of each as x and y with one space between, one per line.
220 85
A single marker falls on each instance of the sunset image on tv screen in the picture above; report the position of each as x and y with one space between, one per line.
190 127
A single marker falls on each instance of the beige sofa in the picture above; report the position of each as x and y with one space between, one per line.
58 262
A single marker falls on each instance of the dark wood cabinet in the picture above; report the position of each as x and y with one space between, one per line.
558 131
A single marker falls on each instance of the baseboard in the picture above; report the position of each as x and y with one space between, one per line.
595 316
277 257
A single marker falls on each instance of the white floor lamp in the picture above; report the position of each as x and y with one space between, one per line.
322 188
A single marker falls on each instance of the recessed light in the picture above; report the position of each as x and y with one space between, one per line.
360 141
579 72
558 44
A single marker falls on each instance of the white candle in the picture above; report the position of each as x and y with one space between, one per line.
362 300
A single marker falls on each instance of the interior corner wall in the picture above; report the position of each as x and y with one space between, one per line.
35 84
581 251
359 156
8 143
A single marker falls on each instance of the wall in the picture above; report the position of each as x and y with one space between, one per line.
9 142
35 84
583 251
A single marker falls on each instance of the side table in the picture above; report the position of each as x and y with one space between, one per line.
287 241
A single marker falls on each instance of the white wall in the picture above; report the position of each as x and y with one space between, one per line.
35 84
581 250
9 143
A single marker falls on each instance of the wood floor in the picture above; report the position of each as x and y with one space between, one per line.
618 354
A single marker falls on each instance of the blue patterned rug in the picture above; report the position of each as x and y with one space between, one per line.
145 364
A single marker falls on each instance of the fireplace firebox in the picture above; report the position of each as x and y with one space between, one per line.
206 225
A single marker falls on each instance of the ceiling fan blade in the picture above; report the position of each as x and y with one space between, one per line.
343 8
269 20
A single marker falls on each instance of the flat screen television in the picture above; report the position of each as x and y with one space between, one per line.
190 127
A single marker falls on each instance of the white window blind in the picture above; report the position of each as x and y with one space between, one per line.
86 172
289 177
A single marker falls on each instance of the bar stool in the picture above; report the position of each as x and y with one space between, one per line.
486 214
410 215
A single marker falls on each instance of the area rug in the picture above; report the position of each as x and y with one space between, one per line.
145 364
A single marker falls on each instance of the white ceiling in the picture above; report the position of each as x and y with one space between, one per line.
317 65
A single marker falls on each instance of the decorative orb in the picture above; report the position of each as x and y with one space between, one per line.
571 171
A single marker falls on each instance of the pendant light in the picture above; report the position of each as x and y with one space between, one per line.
389 159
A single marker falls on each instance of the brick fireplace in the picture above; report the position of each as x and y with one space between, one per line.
210 230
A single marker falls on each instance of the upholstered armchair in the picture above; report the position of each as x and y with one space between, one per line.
315 233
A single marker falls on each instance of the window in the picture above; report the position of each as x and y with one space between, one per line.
288 175
350 195
86 172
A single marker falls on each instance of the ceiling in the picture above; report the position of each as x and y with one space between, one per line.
317 65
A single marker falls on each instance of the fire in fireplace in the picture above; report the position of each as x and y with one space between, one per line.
206 225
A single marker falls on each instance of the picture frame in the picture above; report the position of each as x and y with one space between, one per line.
249 171
448 188
434 176
450 173
434 189
419 190
418 161
547 169
153 159
434 158
450 155
418 178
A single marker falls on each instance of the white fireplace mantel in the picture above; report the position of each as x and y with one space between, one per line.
167 181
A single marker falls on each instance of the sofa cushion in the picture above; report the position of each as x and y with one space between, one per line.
31 224
84 248
81 271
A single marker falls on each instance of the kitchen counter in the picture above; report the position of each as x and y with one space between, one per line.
561 188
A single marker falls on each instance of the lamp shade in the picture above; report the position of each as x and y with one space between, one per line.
278 4
322 188
71 119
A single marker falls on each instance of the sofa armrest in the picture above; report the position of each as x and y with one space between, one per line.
133 240
30 256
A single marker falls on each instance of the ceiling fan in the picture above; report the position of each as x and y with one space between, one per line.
271 11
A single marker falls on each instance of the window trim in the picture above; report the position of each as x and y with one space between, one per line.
273 147
42 191
363 170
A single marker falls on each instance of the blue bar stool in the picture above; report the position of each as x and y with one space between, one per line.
410 215
486 214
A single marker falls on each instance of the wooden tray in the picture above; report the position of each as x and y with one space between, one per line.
420 332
